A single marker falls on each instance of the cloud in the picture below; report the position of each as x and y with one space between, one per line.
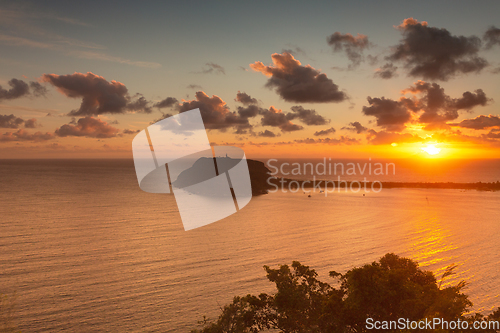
438 107
308 117
493 134
343 140
433 53
492 37
11 121
355 127
140 105
353 46
297 83
480 122
267 134
330 130
245 99
212 68
214 111
276 118
194 86
384 138
166 103
249 111
129 131
98 95
23 135
390 114
428 105
37 89
19 88
88 127
387 71
31 123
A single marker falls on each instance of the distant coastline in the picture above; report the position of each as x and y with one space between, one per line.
308 184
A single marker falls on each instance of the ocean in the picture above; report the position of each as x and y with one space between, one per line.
83 249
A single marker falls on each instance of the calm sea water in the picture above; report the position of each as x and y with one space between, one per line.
85 250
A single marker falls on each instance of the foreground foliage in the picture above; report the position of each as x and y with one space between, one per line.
389 289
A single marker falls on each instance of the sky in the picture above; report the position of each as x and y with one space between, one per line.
279 79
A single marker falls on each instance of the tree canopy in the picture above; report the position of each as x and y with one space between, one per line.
392 288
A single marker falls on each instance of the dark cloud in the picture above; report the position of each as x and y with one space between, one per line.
355 127
98 95
433 53
480 122
129 131
390 114
88 127
343 140
37 89
31 123
245 99
429 106
214 111
249 111
353 46
387 71
491 37
23 135
212 68
141 104
194 86
331 130
11 121
166 103
276 118
438 107
493 134
297 83
267 134
308 117
387 138
18 88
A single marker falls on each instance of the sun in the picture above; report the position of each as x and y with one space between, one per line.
431 149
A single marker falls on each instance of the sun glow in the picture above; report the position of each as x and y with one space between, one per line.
431 149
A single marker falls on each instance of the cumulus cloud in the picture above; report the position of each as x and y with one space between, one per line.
88 127
297 83
166 103
390 114
245 98
438 107
328 131
23 135
214 111
98 95
428 105
276 118
433 53
19 88
353 46
308 117
387 71
355 127
480 122
267 134
11 121
492 37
